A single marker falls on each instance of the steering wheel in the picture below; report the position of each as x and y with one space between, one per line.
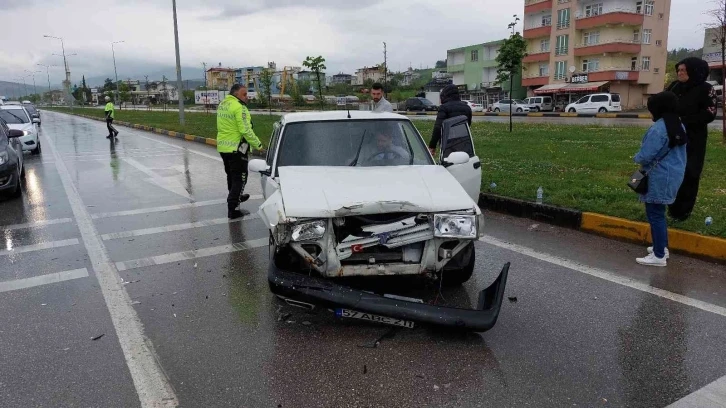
391 155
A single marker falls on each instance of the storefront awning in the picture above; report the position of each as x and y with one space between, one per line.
586 87
548 89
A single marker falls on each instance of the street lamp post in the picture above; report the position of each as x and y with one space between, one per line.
47 71
67 82
511 76
178 68
32 73
114 67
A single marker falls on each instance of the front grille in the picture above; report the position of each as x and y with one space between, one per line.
379 255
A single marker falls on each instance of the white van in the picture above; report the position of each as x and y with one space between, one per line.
596 103
540 103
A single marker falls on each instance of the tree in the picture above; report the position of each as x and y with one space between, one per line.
266 77
123 92
296 93
441 64
188 97
108 85
316 65
718 15
511 53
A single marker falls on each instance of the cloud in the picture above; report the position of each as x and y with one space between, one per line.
232 9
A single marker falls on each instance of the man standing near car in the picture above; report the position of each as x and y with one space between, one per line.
380 104
109 111
451 106
234 138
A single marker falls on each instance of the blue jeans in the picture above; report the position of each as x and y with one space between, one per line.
656 214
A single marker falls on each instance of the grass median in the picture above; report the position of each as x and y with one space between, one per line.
578 166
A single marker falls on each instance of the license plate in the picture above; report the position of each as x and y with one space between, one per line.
352 314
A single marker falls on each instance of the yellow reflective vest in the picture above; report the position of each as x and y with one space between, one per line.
233 124
109 108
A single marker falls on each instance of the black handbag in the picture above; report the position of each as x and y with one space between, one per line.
639 179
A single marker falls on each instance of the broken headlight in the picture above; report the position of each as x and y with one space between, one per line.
308 231
455 226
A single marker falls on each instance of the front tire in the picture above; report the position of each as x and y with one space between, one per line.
519 110
18 188
464 270
496 110
603 110
572 110
37 150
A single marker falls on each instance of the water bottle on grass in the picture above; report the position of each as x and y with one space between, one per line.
540 193
709 221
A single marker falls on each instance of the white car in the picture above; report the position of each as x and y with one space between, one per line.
475 107
17 117
517 106
596 103
357 194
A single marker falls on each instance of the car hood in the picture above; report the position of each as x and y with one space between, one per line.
22 126
340 191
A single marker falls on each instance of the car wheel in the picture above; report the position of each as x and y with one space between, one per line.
603 110
36 150
536 108
464 270
18 189
519 110
572 110
496 110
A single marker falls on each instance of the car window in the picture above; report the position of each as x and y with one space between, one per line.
547 99
518 102
31 109
426 102
273 144
3 136
360 143
584 99
504 101
615 97
459 140
600 98
14 116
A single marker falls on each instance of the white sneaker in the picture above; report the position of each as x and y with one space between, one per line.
667 254
652 260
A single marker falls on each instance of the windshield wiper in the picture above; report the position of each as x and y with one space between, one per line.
360 147
16 117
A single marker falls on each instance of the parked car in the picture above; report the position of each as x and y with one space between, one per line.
540 103
596 103
12 163
17 117
420 104
33 112
517 106
475 107
359 195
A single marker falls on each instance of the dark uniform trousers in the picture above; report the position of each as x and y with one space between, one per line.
235 165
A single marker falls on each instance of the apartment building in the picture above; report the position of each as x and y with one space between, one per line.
375 74
220 78
576 47
712 54
474 70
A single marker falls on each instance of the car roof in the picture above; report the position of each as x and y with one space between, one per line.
12 107
340 115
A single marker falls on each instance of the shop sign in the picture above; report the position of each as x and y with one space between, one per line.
579 79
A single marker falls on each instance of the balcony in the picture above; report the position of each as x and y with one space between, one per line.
613 74
537 31
538 57
624 17
535 6
610 47
535 80
455 68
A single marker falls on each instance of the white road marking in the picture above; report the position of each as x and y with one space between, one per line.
39 247
713 395
152 385
7 286
37 224
209 156
122 156
171 184
606 275
177 227
165 208
187 255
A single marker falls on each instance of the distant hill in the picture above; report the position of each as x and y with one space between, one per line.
193 75
9 89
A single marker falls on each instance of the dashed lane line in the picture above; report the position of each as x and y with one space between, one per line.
41 280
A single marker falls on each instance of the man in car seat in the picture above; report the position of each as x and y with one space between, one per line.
387 150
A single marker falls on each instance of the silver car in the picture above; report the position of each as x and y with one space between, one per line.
517 106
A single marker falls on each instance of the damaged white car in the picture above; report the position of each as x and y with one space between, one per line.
358 194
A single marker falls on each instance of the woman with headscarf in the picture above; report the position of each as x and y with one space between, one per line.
662 156
451 106
697 108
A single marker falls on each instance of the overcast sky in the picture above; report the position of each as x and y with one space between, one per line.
349 34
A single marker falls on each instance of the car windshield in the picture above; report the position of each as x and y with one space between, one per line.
14 116
361 143
30 108
426 101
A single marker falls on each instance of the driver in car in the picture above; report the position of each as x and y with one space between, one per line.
388 151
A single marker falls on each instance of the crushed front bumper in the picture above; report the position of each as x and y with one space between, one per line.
302 290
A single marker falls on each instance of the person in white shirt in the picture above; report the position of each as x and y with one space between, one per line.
380 104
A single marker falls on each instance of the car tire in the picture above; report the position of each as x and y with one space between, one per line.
458 276
18 187
572 110
519 110
37 150
496 110
603 110
536 109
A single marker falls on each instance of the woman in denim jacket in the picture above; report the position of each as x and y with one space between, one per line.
663 155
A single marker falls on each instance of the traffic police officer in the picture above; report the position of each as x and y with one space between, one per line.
109 111
234 139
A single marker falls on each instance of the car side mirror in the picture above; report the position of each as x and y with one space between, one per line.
36 120
259 166
17 133
456 158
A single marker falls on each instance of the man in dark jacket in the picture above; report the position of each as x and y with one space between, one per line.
451 106
697 108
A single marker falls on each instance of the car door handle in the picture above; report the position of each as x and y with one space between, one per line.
477 165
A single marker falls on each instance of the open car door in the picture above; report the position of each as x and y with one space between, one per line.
456 139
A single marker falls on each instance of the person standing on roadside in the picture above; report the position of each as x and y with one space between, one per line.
697 108
451 106
380 104
235 136
109 112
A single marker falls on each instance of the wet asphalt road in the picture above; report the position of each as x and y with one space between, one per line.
583 326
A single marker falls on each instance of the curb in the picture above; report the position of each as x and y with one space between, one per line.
712 248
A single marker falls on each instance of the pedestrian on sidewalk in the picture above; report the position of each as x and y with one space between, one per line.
234 139
697 108
662 156
109 111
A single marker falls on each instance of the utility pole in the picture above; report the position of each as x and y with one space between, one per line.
47 72
385 69
178 66
114 67
67 82
148 96
204 64
511 76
